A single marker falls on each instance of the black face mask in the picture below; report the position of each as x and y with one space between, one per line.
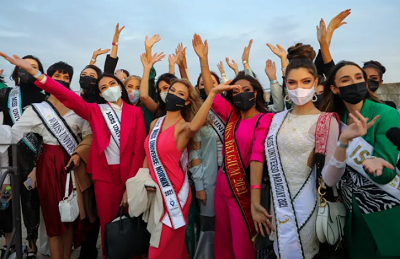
65 84
373 85
25 77
203 94
244 101
354 93
317 103
87 82
174 103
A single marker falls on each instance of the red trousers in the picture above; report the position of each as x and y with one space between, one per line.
108 198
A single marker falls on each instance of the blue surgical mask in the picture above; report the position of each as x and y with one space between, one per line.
134 96
112 94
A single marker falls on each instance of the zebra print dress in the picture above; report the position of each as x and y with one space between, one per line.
370 198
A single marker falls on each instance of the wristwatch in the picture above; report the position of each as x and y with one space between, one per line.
244 62
340 144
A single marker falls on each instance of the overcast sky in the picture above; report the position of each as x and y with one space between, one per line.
70 30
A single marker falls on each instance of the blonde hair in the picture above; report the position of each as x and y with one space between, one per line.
131 77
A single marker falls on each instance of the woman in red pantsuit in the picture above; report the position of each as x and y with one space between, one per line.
119 132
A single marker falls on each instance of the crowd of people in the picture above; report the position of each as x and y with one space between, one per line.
227 174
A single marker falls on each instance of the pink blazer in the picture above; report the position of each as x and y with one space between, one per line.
133 133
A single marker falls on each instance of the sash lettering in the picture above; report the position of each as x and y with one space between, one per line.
57 126
236 173
15 110
174 217
112 121
218 124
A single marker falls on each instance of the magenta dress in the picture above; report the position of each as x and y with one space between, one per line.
172 242
232 239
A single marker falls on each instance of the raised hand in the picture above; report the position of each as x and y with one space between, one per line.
146 63
19 62
117 33
149 43
180 52
224 87
321 31
375 165
199 47
157 58
358 128
278 50
337 22
270 70
246 52
99 52
234 66
172 59
220 66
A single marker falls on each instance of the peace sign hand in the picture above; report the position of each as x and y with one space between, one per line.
358 128
117 33
19 62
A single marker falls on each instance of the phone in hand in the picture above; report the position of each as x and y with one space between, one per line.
28 184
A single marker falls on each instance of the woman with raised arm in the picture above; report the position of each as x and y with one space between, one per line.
244 136
167 160
118 136
12 102
372 198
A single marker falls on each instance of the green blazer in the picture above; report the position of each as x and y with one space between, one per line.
375 235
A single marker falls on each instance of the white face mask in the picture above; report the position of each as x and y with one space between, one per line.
163 96
301 96
134 96
112 94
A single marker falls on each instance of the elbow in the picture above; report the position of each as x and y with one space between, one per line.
143 96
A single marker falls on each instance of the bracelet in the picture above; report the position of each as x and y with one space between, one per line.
273 82
340 144
75 153
204 65
115 43
284 69
223 74
255 186
93 60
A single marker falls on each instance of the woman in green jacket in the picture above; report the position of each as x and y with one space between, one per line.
372 199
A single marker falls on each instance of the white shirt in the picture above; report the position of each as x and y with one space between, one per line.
30 122
112 151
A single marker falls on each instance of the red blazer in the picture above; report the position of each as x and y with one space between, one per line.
133 133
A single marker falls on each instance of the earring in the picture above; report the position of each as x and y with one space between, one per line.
287 99
314 98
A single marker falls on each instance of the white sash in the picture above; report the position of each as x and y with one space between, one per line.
112 121
356 153
291 213
171 200
218 124
15 110
57 127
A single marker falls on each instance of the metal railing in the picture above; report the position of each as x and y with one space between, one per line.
16 206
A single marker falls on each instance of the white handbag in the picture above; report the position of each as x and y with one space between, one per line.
69 209
330 219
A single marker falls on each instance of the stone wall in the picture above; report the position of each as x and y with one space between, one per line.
390 92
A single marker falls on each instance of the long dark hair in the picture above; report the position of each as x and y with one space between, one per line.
260 101
14 75
168 78
91 93
100 99
332 102
213 74
377 66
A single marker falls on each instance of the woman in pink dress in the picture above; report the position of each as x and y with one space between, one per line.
167 160
245 132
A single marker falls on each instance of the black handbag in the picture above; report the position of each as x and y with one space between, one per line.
126 237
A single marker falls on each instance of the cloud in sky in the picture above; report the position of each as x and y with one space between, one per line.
70 31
